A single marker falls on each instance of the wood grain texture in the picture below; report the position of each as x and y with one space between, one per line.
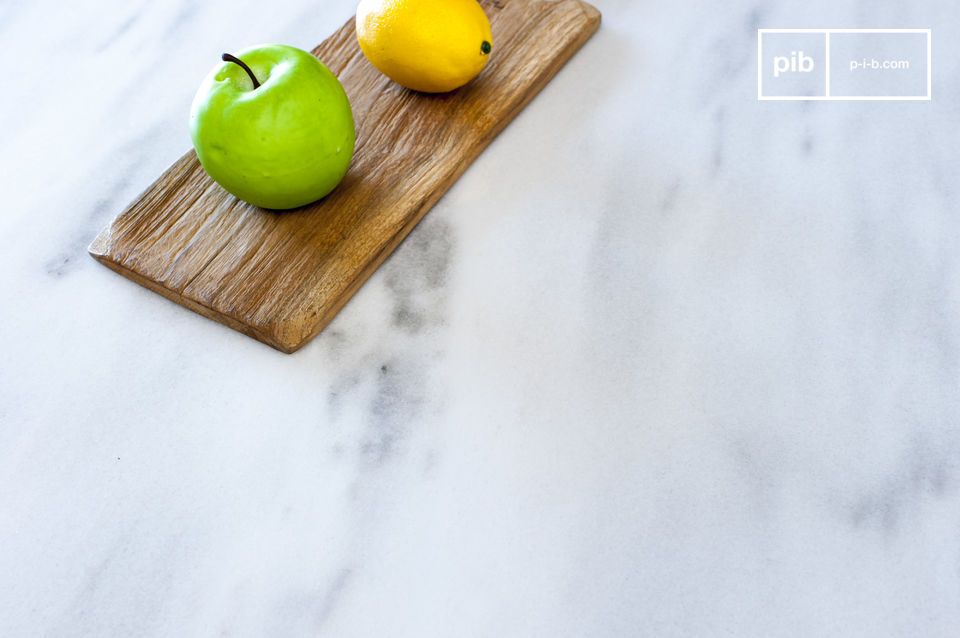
280 277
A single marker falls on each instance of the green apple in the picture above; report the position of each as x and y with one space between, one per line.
273 126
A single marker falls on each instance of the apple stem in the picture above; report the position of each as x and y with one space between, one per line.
226 57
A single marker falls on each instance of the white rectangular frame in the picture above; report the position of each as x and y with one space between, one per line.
839 98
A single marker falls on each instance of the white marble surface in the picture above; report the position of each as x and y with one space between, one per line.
666 361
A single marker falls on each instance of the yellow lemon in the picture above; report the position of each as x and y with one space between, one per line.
433 46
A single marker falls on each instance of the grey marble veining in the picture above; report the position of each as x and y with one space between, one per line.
666 361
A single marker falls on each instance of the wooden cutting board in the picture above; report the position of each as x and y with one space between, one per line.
280 277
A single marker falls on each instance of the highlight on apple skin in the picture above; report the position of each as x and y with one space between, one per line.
273 126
